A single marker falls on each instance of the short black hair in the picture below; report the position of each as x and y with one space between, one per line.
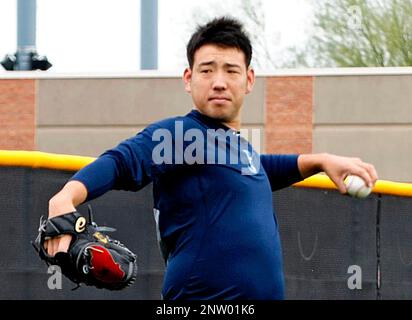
225 32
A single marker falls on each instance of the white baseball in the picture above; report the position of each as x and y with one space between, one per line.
356 187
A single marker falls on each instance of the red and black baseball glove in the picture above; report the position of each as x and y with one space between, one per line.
93 258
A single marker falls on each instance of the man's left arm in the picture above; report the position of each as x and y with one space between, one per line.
337 168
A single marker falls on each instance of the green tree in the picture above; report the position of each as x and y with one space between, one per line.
357 33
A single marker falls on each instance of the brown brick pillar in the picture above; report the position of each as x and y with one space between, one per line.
17 114
288 114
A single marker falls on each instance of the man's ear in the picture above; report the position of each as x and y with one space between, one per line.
250 80
187 78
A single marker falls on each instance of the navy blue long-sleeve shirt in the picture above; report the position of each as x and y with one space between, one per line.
215 218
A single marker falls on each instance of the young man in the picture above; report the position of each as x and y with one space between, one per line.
215 218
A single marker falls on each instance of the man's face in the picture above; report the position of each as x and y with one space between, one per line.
218 82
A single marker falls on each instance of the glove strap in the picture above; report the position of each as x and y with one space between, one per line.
70 223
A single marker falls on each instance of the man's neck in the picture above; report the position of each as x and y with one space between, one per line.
234 124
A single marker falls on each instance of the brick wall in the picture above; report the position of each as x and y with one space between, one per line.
288 116
17 114
363 115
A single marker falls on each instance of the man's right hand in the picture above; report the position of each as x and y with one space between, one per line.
65 201
58 244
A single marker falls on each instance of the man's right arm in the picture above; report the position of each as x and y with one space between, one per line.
125 167
66 200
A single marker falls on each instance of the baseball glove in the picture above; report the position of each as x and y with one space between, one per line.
93 258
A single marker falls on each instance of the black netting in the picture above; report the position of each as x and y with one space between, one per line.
396 247
323 235
24 196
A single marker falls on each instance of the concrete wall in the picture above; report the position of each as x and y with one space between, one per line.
365 113
87 116
368 117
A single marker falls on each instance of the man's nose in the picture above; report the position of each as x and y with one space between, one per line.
219 82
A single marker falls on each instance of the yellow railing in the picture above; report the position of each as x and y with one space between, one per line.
36 159
382 186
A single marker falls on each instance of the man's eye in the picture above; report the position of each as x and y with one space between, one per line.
232 71
205 71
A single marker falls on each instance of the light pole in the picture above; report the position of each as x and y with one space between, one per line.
149 34
26 57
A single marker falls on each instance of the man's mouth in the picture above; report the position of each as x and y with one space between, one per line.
219 99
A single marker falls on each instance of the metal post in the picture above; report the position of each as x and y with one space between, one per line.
149 34
26 33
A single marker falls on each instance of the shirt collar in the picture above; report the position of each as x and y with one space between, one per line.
210 122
